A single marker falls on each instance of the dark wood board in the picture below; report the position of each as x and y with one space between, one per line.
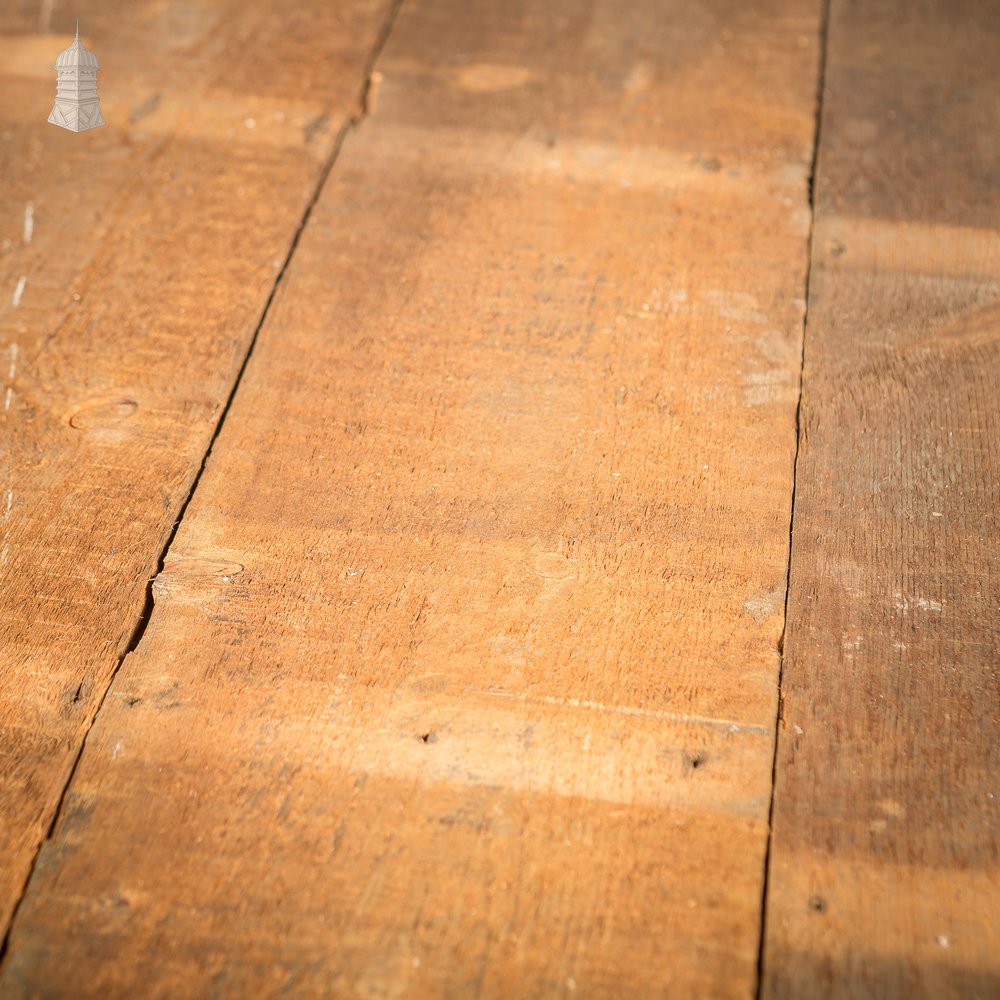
885 862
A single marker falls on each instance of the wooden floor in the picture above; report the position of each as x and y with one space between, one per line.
502 498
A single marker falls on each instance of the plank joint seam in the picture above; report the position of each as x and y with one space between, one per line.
824 27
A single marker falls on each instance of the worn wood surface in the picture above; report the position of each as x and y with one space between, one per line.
134 265
885 871
461 677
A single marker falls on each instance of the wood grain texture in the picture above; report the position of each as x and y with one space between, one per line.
136 260
885 870
462 673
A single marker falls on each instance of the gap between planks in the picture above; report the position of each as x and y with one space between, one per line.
824 25
364 106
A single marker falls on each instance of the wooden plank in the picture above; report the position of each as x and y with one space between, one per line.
462 674
885 871
137 259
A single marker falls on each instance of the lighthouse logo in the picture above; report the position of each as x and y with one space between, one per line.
77 107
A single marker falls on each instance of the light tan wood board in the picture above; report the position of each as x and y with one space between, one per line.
462 674
885 870
134 265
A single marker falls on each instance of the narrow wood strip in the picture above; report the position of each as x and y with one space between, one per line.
885 866
136 261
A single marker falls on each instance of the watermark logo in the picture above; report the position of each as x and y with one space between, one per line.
77 106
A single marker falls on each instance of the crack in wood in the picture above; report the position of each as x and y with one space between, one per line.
824 26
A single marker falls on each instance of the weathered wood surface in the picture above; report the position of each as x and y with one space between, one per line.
462 673
885 870
134 266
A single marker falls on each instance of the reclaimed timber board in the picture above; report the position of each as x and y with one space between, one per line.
461 677
135 262
885 864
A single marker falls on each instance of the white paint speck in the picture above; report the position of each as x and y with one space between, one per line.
936 513
18 291
8 500
29 221
570 984
906 601
11 372
250 122
117 750
943 941
798 730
